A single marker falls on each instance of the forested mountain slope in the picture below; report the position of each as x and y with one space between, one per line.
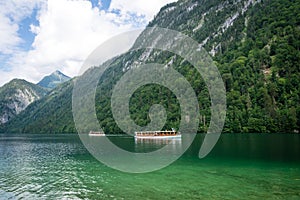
255 45
15 96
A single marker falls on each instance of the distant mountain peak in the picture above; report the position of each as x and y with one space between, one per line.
53 80
58 72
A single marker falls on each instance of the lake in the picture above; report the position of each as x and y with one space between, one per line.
241 166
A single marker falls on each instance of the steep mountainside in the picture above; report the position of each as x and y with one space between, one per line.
51 114
53 80
15 96
255 45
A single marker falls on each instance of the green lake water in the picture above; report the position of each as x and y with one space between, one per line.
241 166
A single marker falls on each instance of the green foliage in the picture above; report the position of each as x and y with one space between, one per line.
15 95
51 114
267 75
258 57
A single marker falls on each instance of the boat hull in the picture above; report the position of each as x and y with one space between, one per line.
96 134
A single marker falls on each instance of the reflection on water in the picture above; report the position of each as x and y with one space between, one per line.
146 145
157 142
240 166
132 144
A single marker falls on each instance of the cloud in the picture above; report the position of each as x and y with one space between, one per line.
140 7
8 34
68 31
11 13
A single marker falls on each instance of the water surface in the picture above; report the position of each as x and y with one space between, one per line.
241 166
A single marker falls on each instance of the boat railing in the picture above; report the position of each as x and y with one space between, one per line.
155 133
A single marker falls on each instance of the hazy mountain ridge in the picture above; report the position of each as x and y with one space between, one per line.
53 80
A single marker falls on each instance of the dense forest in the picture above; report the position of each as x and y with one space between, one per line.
254 44
261 71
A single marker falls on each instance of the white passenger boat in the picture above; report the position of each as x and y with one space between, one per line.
157 134
95 133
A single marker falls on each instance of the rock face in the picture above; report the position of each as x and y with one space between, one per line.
255 48
15 96
53 80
